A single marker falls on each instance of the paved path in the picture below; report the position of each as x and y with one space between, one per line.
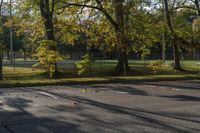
151 107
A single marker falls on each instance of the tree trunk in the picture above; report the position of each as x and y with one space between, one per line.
50 36
47 15
1 65
122 65
176 53
24 52
177 65
196 2
1 49
8 54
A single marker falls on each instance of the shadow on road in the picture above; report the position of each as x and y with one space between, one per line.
146 118
119 88
178 85
22 121
183 98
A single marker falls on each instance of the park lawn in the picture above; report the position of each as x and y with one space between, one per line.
113 63
26 75
92 80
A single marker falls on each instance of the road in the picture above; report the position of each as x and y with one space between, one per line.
149 107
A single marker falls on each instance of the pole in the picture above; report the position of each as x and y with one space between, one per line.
163 47
163 36
11 35
199 64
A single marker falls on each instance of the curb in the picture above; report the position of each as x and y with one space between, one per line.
127 81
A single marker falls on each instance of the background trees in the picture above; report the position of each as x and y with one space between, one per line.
120 27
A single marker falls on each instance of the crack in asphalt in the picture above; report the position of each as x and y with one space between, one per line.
5 126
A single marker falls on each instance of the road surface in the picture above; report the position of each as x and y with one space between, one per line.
149 107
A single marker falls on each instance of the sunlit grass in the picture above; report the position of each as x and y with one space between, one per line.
26 74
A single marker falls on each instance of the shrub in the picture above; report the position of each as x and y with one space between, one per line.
155 65
85 65
48 57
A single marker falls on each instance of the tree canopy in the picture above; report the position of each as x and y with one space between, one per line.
118 26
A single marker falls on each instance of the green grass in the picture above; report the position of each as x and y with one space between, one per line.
25 74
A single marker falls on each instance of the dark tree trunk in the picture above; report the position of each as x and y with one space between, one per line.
47 15
24 52
122 65
1 65
177 65
197 4
8 54
176 53
1 49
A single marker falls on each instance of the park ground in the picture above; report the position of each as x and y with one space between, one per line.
102 72
138 107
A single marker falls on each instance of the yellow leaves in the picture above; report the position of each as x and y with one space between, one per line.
83 90
99 34
69 38
155 65
196 25
48 57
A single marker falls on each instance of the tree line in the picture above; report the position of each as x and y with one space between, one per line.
119 26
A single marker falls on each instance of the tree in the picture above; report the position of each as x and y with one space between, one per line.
174 38
47 8
1 46
117 13
114 11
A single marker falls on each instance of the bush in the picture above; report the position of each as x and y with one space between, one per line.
155 65
48 57
85 65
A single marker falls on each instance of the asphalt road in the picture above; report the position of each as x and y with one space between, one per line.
151 107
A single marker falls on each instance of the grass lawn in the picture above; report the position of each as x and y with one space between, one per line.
25 74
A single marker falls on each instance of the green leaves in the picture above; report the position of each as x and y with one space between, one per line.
85 65
196 30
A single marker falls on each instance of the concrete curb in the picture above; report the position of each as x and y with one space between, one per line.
127 81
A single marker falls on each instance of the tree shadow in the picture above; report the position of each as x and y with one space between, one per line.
18 103
147 118
118 89
179 85
20 120
183 98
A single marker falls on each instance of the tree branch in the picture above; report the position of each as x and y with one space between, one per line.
100 8
1 4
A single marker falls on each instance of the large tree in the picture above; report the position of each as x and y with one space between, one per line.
174 38
115 11
47 8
